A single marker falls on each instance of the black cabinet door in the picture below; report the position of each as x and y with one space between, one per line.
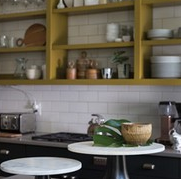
164 167
10 151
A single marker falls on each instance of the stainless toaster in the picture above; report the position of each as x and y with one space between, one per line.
18 122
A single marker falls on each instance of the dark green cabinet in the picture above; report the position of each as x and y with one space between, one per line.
139 167
153 167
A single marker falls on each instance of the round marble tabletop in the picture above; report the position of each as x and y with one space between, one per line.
88 148
40 166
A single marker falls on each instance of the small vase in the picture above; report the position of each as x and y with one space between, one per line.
123 70
61 4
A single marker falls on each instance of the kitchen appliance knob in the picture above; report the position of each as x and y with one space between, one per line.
73 177
4 152
148 166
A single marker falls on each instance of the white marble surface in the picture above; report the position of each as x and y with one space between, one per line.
40 166
88 148
19 177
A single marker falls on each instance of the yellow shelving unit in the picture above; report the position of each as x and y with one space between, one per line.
57 46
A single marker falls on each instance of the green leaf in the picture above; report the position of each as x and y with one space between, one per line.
103 140
115 123
106 130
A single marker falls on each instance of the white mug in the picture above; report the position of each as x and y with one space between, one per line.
3 41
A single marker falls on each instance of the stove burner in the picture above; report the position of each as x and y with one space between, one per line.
63 137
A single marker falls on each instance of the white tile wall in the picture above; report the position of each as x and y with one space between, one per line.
69 108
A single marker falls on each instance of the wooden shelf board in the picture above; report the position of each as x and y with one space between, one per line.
96 45
164 82
162 42
22 49
124 5
22 15
162 2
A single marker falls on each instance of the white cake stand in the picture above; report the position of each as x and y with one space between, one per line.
40 167
116 164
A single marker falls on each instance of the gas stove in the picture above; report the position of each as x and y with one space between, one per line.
62 137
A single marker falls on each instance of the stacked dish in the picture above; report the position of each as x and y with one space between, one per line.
159 34
165 66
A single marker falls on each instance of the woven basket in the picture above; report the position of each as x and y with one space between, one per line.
136 133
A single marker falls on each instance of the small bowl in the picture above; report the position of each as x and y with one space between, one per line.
33 74
126 38
136 133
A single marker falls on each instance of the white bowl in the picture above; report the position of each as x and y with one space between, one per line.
126 38
165 67
33 74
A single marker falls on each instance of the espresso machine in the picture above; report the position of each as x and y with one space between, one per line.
169 113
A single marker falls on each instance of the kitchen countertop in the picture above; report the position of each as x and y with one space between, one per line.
26 140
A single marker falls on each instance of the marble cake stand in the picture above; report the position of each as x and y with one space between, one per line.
40 167
116 164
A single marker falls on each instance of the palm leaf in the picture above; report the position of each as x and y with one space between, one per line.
115 123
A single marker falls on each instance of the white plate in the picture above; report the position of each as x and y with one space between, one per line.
159 38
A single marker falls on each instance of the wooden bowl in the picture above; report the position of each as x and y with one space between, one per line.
136 133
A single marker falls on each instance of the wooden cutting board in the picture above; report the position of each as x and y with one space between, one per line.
35 35
9 135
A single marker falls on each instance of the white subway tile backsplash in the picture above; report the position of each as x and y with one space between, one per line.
88 30
124 17
69 96
78 40
90 96
69 108
177 11
129 97
97 19
150 97
174 50
171 23
174 96
69 118
77 20
60 106
46 106
78 107
78 88
139 109
73 31
108 96
161 12
117 108
97 107
50 95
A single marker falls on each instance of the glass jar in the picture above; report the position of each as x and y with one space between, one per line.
20 71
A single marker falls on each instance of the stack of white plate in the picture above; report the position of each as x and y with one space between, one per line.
112 32
165 66
160 34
